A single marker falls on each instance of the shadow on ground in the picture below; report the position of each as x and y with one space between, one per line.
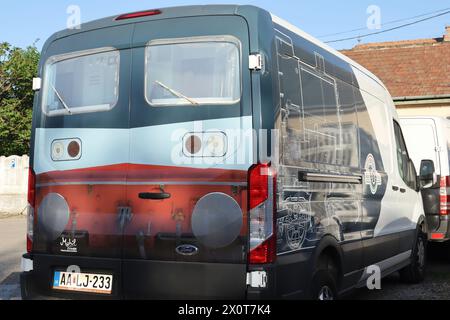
10 287
435 287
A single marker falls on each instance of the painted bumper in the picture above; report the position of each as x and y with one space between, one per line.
140 279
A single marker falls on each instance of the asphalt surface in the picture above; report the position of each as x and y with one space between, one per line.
12 247
435 287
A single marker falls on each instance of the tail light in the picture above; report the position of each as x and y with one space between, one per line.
139 14
444 196
30 209
261 212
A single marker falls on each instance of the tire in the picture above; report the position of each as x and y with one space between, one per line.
323 286
415 272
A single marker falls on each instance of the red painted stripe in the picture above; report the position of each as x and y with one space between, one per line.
137 172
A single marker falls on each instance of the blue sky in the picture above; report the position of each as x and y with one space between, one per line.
24 21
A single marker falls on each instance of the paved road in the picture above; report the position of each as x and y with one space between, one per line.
435 286
12 247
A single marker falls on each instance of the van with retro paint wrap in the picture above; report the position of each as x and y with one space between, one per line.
213 152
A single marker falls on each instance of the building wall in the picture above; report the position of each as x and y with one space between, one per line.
13 184
412 110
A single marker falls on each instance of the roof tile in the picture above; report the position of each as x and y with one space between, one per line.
408 68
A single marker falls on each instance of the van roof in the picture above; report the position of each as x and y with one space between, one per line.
166 13
326 47
203 10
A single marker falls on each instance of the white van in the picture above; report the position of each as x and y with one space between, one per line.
428 138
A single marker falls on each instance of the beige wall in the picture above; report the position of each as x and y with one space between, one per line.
13 184
439 111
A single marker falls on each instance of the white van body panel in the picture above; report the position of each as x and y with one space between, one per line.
428 138
399 211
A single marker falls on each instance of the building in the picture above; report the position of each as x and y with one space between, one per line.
416 72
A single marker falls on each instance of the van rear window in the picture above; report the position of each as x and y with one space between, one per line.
86 81
193 71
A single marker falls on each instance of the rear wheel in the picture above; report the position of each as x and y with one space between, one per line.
415 272
324 283
324 286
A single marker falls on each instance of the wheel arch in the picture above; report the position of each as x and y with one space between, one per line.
331 248
422 224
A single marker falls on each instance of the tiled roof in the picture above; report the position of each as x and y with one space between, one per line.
408 68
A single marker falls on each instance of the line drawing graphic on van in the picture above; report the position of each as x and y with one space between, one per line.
214 152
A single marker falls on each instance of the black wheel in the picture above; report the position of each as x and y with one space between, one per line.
415 272
323 286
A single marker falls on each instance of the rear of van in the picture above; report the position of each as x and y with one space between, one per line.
143 179
428 138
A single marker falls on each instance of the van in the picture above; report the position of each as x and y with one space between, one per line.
428 140
213 152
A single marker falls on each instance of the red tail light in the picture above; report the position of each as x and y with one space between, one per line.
139 14
264 253
437 236
444 196
31 206
29 245
31 187
261 192
258 185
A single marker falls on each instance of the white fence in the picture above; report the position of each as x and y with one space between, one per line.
13 184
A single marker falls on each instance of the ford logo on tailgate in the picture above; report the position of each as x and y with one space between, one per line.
187 250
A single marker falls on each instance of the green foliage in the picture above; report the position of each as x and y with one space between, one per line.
17 69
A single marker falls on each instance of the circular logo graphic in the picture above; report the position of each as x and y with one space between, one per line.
371 176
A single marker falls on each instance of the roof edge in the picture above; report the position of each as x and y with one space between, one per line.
427 97
326 47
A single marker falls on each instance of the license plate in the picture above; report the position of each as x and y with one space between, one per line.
83 282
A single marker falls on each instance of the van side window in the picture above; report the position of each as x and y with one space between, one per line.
321 118
402 156
317 128
80 82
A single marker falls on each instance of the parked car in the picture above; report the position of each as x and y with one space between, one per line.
213 152
428 139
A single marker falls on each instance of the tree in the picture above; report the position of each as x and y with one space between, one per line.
17 69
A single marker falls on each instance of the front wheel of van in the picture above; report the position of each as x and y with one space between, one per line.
415 272
323 286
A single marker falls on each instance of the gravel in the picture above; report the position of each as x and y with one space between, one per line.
436 285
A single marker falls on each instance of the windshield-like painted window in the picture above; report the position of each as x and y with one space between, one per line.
81 82
193 71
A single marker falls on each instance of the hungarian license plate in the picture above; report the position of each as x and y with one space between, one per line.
83 282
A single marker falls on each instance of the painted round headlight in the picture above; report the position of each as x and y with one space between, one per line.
57 151
193 144
215 145
73 149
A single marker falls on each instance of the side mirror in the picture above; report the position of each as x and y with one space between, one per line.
427 176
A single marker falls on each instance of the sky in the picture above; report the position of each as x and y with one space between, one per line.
24 22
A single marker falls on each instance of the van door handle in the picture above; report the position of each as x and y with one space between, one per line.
395 188
154 196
